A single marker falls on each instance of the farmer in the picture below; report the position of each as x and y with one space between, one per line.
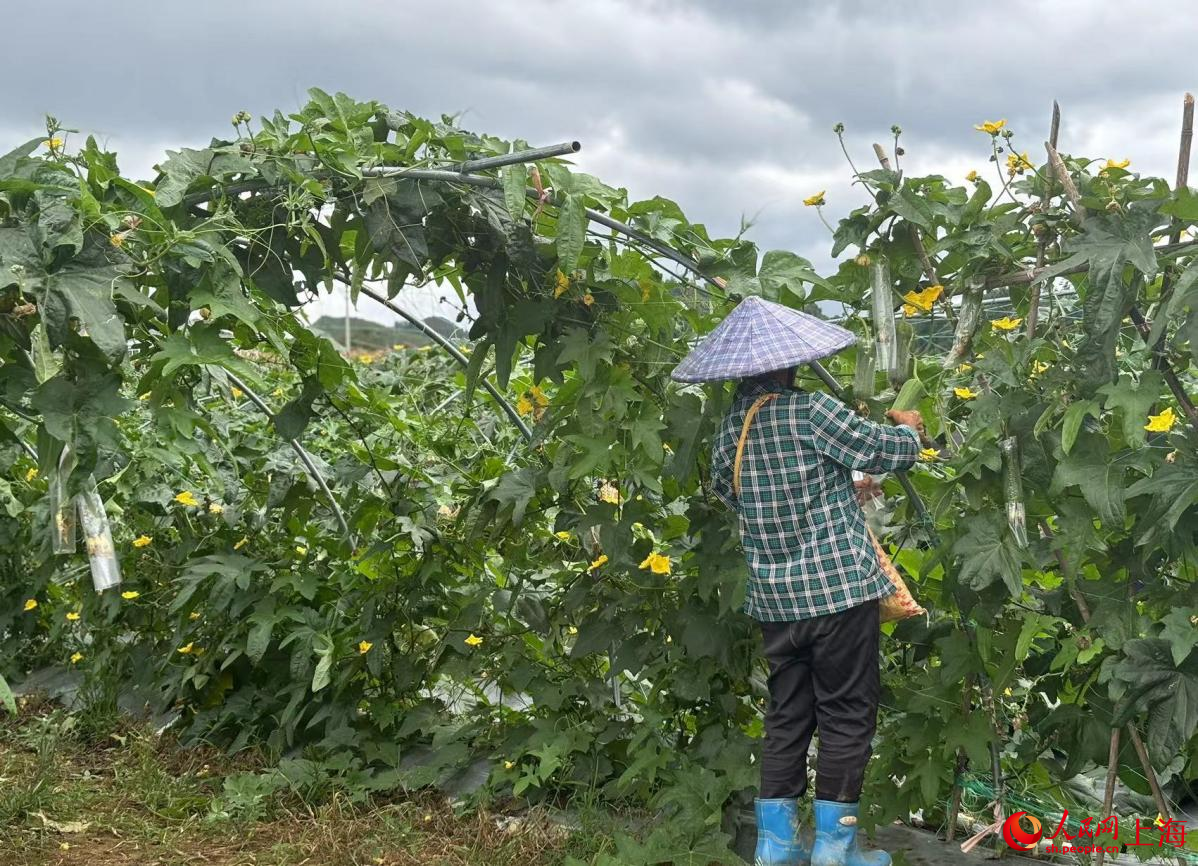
814 579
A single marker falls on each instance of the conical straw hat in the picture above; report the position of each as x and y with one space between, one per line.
757 337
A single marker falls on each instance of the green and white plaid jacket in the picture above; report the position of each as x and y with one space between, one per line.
803 533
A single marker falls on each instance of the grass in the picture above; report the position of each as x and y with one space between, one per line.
71 795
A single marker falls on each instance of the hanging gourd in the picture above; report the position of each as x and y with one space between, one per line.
886 339
1013 488
967 323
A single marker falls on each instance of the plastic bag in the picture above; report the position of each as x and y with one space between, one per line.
97 535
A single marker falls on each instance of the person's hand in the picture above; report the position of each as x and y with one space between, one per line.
867 488
909 418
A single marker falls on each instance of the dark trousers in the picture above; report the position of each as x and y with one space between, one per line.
824 673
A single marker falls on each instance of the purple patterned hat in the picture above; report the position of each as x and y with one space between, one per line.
757 337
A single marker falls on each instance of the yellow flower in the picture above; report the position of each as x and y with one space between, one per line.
598 562
238 393
1017 163
364 647
657 563
862 260
301 550
1123 163
76 658
588 299
117 239
561 285
473 640
1006 323
507 765
72 617
187 498
1039 367
144 397
53 143
194 615
972 176
187 649
142 541
991 126
1161 423
964 368
524 405
215 508
573 629
31 474
277 392
965 393
921 301
30 604
1007 692
244 541
929 454
815 200
563 535
131 594
538 396
609 493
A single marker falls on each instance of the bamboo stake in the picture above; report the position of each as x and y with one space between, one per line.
1158 795
954 807
1108 797
1182 179
1033 308
1062 174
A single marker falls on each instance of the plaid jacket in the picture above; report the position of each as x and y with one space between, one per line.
803 533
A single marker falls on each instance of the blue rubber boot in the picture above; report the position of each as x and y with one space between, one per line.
778 837
836 837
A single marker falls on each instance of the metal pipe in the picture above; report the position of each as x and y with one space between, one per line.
304 456
449 347
532 155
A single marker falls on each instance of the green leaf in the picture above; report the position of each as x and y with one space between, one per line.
186 168
1099 478
78 305
587 354
1134 400
1180 632
908 204
199 347
988 553
783 271
45 363
258 640
571 232
7 700
1183 205
1174 489
515 185
1074 416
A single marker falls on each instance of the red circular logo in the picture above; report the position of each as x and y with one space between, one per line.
1019 838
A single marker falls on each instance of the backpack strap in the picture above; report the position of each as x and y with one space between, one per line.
744 436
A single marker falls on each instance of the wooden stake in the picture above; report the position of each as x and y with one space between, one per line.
954 806
1158 795
1033 307
1108 798
1182 179
1062 174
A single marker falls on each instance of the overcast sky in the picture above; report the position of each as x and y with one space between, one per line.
725 107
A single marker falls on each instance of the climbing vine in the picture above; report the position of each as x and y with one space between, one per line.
433 589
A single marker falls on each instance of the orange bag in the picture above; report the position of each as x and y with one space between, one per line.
898 605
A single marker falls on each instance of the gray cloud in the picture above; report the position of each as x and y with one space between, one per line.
726 107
